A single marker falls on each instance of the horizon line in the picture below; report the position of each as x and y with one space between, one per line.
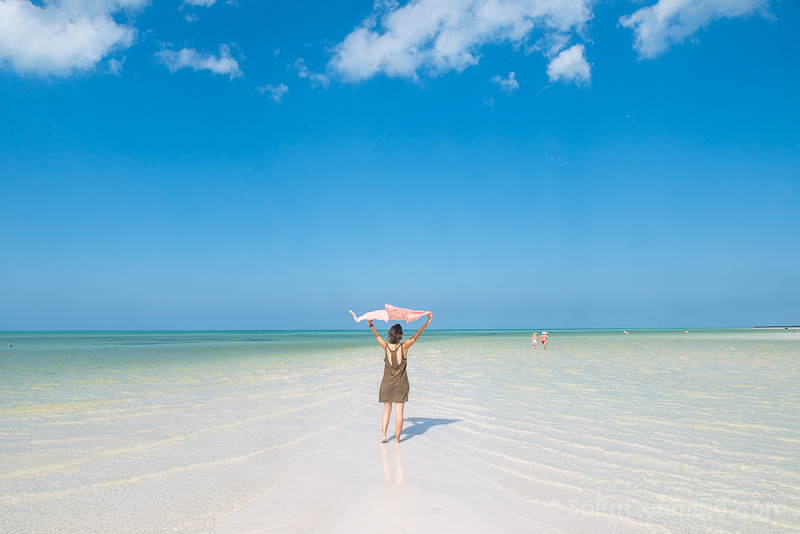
773 327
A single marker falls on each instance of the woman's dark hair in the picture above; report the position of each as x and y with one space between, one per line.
395 333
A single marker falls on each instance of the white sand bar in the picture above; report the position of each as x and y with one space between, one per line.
355 484
651 432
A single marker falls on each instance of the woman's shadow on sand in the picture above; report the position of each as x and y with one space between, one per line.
420 425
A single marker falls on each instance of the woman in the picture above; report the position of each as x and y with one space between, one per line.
394 387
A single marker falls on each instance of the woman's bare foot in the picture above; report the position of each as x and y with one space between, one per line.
383 439
397 440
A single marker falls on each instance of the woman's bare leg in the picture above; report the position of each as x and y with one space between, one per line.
387 411
398 420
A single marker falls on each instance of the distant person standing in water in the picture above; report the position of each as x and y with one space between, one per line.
394 386
544 340
533 340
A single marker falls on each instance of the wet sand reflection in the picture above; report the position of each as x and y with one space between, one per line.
387 467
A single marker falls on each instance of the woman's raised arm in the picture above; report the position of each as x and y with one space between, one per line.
377 335
414 338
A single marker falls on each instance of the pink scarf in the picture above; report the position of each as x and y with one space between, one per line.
391 312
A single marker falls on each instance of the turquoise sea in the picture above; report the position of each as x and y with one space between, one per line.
655 431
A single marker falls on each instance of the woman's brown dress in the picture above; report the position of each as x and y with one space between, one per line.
394 386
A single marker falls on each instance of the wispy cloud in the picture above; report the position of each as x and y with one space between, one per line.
570 66
550 45
275 92
115 66
189 58
509 85
436 36
192 15
316 79
670 22
61 37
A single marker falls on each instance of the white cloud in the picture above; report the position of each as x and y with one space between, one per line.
315 78
203 3
570 66
62 36
550 45
669 22
275 92
438 36
188 58
509 85
115 66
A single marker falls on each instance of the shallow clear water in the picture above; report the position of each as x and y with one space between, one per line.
151 432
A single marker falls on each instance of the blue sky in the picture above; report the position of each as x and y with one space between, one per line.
271 165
